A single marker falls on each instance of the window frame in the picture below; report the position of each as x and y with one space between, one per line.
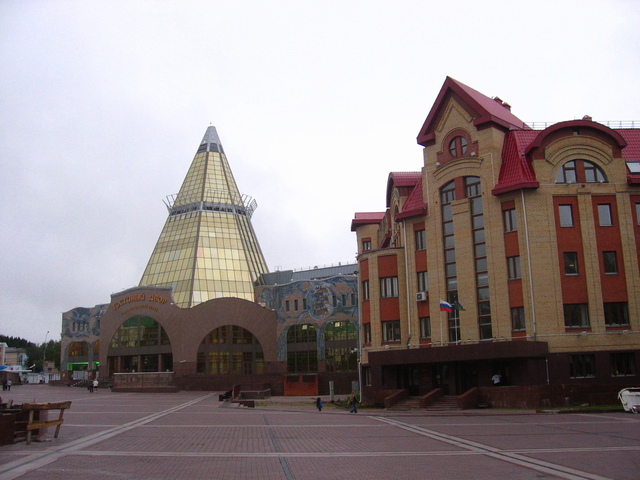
510 220
389 287
605 215
574 313
614 311
420 237
425 327
568 261
565 215
391 331
518 320
610 262
514 269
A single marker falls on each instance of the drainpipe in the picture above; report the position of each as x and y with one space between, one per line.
526 235
406 274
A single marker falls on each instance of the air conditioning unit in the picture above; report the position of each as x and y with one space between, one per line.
421 296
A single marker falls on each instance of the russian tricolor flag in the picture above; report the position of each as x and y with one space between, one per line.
445 306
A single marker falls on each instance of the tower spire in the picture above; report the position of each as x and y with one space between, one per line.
208 248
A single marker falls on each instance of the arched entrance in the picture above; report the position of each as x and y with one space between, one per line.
230 350
140 344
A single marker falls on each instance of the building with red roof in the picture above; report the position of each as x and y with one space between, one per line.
511 252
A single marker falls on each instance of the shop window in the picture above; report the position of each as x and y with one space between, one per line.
623 364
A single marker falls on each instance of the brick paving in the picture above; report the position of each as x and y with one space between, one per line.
193 436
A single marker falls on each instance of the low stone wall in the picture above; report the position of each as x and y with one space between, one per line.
548 396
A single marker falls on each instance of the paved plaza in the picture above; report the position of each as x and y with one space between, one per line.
193 436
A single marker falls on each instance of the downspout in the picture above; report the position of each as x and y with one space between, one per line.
406 274
526 234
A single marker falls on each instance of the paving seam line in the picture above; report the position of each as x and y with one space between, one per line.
515 458
32 462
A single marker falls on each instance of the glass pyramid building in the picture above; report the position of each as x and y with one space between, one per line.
208 248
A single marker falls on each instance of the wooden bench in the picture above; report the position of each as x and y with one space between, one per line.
37 423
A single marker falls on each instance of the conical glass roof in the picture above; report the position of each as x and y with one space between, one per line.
208 248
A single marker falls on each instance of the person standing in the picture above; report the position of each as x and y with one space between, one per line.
496 379
9 385
319 404
353 401
95 385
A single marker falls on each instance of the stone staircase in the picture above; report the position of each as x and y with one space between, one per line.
447 403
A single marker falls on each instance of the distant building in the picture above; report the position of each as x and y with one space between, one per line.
510 250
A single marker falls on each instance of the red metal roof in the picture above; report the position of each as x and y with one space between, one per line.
631 153
415 203
401 179
366 218
485 110
516 171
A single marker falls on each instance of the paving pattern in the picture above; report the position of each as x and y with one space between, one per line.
193 436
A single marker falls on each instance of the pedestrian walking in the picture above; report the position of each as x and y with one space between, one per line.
319 404
9 385
353 401
95 385
4 385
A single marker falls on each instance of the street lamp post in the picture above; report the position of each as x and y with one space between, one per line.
44 353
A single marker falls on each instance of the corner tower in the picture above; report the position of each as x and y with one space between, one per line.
208 248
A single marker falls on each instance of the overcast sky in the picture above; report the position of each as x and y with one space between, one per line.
104 103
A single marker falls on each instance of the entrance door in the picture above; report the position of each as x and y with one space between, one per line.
409 378
441 377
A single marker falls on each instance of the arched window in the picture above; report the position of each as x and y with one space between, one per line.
580 171
230 350
341 347
302 349
458 146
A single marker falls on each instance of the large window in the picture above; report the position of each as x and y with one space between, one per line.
576 315
302 351
610 261
518 322
510 220
391 331
341 347
139 331
582 366
623 364
580 171
389 287
570 263
230 350
566 215
616 314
